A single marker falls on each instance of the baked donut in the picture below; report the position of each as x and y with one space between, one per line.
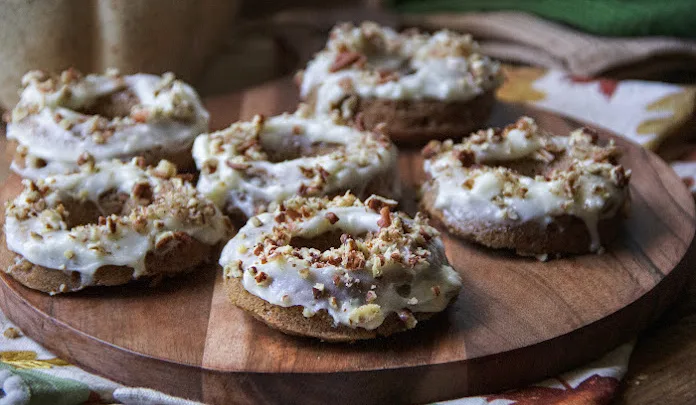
524 189
107 224
110 116
338 270
251 164
422 86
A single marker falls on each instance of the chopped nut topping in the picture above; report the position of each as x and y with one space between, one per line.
318 290
262 278
12 333
331 217
345 59
407 318
385 217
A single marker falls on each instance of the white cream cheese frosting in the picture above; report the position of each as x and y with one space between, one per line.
377 62
237 168
38 223
384 262
53 123
472 183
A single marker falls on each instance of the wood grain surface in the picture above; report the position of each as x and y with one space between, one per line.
516 320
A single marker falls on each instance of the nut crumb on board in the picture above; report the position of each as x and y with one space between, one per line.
12 333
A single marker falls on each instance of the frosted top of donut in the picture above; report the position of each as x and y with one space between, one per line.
374 61
473 183
59 117
161 208
267 160
384 262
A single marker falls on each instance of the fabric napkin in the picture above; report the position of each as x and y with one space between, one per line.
509 36
649 113
600 17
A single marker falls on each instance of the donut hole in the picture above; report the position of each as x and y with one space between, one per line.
389 63
88 212
404 290
533 167
295 147
325 241
113 105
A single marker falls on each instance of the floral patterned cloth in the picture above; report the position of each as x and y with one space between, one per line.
651 114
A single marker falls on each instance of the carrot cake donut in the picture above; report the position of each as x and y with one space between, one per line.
422 86
340 269
524 189
107 224
251 164
60 117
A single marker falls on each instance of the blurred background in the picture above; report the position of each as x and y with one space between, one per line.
225 45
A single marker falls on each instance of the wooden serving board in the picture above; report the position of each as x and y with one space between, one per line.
516 320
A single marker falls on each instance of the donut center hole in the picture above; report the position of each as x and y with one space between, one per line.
386 64
292 148
88 212
113 105
532 167
325 241
322 242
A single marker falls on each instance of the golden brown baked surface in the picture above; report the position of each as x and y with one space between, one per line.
291 321
180 255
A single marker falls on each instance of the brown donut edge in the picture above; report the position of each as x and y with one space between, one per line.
565 234
182 159
415 122
179 255
291 321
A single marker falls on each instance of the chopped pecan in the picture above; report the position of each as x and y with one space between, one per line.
360 121
376 203
140 162
385 217
280 218
261 278
293 214
592 133
345 59
387 76
318 290
143 192
237 165
346 84
307 171
431 149
544 156
323 173
333 218
85 158
355 260
140 115
619 176
467 157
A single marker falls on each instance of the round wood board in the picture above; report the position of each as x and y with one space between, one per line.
516 320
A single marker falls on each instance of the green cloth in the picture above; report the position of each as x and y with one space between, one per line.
601 17
47 389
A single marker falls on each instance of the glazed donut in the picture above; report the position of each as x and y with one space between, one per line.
422 86
522 188
107 224
338 270
110 116
252 164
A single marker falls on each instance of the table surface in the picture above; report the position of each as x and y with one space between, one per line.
663 365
